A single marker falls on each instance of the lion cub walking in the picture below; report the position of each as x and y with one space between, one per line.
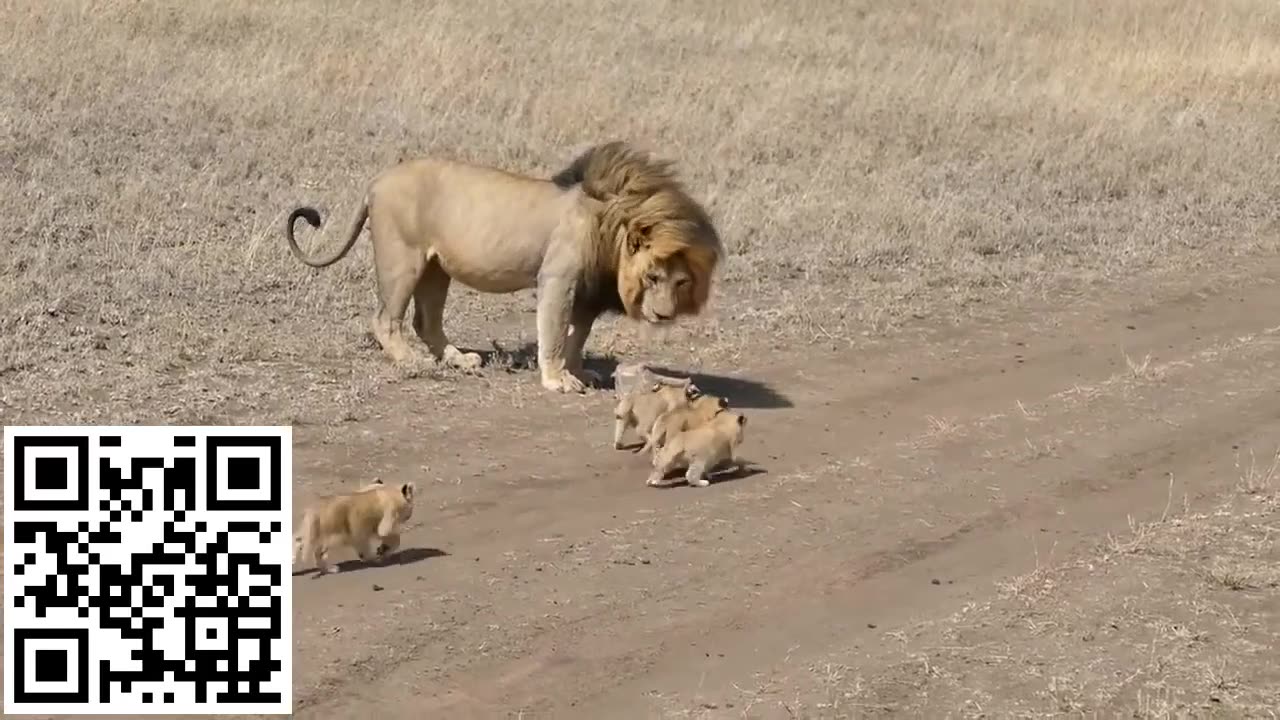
700 450
354 519
641 407
698 411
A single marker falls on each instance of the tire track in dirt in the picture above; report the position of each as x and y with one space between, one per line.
1203 472
850 601
547 661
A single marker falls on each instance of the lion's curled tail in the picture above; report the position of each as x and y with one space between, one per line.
312 216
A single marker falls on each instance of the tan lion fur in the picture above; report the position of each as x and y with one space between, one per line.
698 411
375 511
639 408
614 232
709 447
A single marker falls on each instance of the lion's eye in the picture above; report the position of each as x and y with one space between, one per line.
651 279
682 282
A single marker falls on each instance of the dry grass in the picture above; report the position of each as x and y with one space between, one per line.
1258 479
865 161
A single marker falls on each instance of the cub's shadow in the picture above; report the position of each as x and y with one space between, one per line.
406 556
740 392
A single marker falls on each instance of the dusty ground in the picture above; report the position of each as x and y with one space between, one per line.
1001 303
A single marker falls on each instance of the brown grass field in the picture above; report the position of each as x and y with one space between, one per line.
1000 301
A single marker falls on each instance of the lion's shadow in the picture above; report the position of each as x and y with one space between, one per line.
740 392
405 556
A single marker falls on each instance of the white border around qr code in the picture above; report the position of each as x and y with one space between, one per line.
61 503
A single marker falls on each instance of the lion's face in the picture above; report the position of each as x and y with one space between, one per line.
667 253
662 285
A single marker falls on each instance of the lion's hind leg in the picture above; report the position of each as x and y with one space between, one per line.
696 474
428 317
320 556
398 268
665 461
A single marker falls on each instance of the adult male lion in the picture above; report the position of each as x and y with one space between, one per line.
614 232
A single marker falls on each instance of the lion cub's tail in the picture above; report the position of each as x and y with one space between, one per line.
305 537
312 216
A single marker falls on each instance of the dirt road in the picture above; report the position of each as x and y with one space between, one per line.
543 579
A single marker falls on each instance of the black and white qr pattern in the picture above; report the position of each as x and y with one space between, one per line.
145 568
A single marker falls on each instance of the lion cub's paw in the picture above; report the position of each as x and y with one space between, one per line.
462 360
658 479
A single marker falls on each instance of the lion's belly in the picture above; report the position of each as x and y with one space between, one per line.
491 281
490 272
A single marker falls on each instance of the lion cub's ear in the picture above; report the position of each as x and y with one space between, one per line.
724 403
407 490
657 386
742 419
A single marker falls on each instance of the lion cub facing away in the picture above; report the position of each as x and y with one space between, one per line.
698 411
700 450
355 519
641 407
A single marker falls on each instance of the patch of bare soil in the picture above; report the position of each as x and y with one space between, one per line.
1177 617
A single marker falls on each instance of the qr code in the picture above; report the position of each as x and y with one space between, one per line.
145 570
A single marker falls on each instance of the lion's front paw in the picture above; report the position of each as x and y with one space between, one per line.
564 382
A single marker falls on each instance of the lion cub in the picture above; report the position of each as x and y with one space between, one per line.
703 449
355 519
640 408
692 414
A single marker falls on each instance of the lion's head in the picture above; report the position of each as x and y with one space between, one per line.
655 241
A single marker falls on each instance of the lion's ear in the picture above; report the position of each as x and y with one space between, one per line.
638 236
407 490
629 239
